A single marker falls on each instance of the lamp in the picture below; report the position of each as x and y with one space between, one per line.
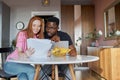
45 2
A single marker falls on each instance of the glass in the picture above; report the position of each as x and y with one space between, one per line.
112 20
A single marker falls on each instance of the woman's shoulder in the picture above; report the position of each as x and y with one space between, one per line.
22 33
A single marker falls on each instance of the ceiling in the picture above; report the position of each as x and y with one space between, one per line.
76 2
63 2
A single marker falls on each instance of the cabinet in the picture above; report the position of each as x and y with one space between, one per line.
108 64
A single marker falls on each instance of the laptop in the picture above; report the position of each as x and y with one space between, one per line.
63 44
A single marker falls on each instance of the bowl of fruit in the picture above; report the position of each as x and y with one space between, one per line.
59 51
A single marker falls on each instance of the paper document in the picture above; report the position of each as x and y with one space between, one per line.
41 46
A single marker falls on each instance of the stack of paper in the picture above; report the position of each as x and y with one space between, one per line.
41 46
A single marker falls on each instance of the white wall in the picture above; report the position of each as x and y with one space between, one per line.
0 29
23 13
77 26
0 22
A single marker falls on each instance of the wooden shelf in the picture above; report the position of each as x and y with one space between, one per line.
108 64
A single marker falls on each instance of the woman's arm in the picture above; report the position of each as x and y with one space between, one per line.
27 53
22 45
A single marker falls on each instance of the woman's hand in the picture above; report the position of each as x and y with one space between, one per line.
49 53
30 51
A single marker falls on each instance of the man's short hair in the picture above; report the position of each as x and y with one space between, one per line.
53 19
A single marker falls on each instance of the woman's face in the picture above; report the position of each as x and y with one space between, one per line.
36 25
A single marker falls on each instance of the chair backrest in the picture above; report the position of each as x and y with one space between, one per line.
5 52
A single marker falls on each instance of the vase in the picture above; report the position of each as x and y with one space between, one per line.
96 43
92 44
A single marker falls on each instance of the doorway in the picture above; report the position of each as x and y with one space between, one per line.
46 14
45 17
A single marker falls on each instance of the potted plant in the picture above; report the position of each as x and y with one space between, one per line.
93 36
14 43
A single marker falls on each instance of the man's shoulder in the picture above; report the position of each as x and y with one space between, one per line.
64 37
62 33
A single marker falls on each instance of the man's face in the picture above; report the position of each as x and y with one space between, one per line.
51 29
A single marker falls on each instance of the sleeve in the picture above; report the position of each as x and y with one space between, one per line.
69 39
66 37
21 41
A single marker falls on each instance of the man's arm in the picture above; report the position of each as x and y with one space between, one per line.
73 51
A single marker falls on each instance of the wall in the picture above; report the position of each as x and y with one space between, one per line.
77 26
22 12
0 22
0 28
100 5
5 25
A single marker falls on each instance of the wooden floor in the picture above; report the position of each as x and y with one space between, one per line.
81 75
84 75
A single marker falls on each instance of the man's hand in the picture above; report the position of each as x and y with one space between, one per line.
73 51
55 38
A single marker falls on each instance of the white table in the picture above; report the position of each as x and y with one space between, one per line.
58 60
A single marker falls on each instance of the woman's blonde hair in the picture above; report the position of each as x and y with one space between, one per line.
29 31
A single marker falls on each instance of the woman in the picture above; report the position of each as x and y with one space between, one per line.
25 71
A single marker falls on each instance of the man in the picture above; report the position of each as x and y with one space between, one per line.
55 35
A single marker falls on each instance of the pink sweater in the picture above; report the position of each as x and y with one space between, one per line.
21 43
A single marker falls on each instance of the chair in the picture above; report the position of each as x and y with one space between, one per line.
4 52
